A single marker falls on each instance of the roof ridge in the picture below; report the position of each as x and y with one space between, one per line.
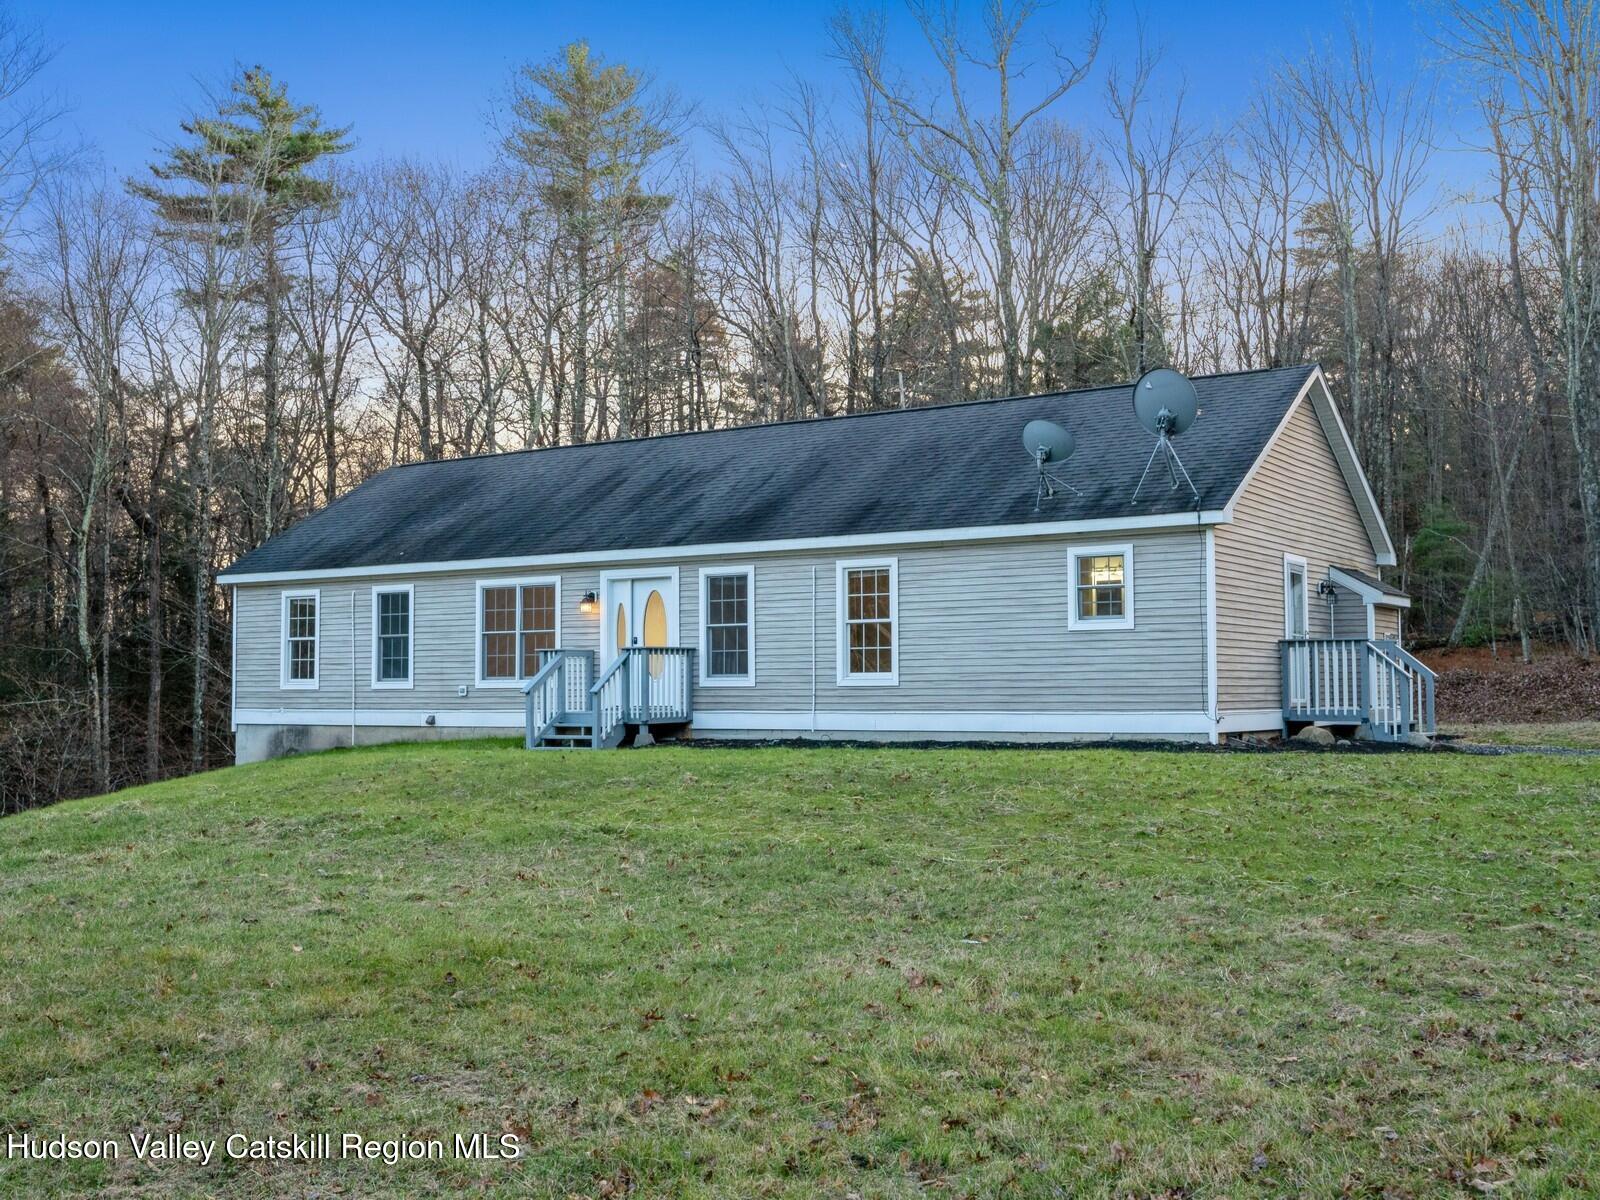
876 412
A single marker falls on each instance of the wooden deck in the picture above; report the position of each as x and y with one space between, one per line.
568 705
1370 683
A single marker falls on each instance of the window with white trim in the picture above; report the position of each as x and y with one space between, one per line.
1296 597
391 636
301 648
517 621
727 626
1102 587
868 626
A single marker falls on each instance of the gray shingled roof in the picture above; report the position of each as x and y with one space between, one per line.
1388 589
944 467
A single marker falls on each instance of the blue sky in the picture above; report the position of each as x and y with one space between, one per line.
419 79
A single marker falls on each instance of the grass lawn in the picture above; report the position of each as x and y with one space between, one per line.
772 972
1571 735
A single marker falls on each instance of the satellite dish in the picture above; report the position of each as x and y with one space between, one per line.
1166 404
1047 441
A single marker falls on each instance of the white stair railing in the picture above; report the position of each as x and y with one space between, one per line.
543 697
1357 681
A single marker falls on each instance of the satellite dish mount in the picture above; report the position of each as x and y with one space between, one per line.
1048 443
1166 404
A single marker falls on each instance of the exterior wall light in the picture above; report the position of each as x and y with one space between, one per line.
589 605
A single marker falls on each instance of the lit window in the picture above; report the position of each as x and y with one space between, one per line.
727 612
300 651
867 635
391 637
1102 587
518 623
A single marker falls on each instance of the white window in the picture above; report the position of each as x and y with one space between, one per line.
868 629
302 654
391 636
1102 587
728 626
1296 597
518 619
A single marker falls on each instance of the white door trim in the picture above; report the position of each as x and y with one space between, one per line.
608 621
1293 563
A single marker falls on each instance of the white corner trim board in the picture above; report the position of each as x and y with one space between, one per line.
914 537
1211 622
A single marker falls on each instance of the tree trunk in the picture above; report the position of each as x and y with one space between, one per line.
579 421
270 362
330 444
152 717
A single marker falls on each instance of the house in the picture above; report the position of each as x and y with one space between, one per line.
886 575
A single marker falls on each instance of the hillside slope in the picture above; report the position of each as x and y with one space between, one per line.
792 973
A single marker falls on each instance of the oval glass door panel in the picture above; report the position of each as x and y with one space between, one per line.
655 630
622 627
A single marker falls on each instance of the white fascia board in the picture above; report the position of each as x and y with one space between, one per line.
919 537
1384 554
1367 592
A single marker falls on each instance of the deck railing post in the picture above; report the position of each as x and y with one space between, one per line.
1405 703
1364 685
625 692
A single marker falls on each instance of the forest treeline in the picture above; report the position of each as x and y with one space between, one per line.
194 357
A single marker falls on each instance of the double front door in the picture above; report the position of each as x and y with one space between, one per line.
641 610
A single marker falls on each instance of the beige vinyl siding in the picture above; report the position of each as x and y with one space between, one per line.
1296 503
983 627
1349 613
1386 622
1339 448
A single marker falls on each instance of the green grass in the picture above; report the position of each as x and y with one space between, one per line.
791 973
1569 735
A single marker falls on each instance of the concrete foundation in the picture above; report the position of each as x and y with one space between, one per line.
257 743
890 736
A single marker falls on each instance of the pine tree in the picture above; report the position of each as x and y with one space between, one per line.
259 146
587 135
223 199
